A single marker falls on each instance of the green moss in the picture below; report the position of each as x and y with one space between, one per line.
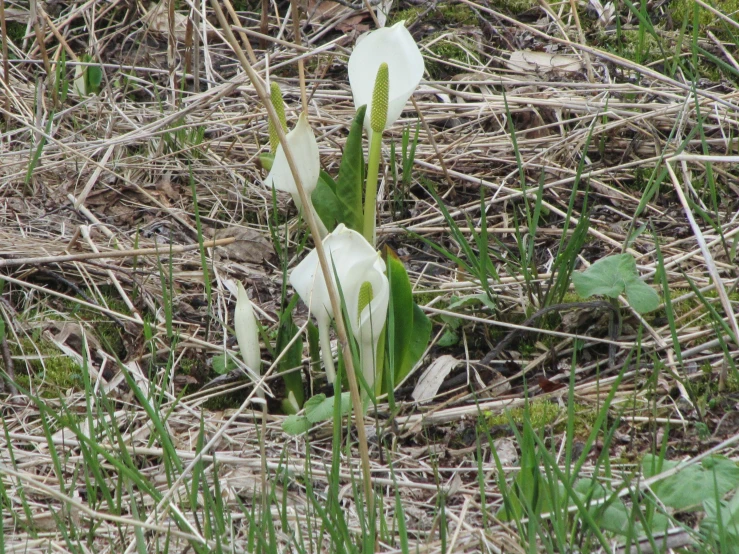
543 413
683 307
108 332
16 31
451 50
680 9
48 369
460 14
630 47
409 16
227 401
515 6
444 14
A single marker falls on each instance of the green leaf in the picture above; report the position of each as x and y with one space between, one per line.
641 296
729 514
613 515
402 295
687 489
319 408
412 329
420 337
350 181
296 425
614 275
223 363
325 202
293 357
606 277
449 338
94 77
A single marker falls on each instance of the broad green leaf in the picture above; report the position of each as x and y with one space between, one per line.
689 488
350 181
614 516
292 359
94 76
614 275
607 276
223 363
448 338
319 408
296 425
402 295
642 297
729 514
325 202
420 337
313 402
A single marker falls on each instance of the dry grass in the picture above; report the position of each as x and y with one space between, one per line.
110 172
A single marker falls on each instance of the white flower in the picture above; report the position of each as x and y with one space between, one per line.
247 332
304 148
366 291
396 47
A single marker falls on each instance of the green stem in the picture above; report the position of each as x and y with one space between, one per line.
370 194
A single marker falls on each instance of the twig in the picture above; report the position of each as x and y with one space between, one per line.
14 262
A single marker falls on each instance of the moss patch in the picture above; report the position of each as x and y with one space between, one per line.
515 7
46 367
543 413
452 51
460 14
444 14
409 15
681 9
630 49
16 31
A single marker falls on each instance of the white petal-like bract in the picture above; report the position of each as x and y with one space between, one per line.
396 47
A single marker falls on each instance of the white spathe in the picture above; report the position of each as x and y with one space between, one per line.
395 47
355 262
302 144
247 331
